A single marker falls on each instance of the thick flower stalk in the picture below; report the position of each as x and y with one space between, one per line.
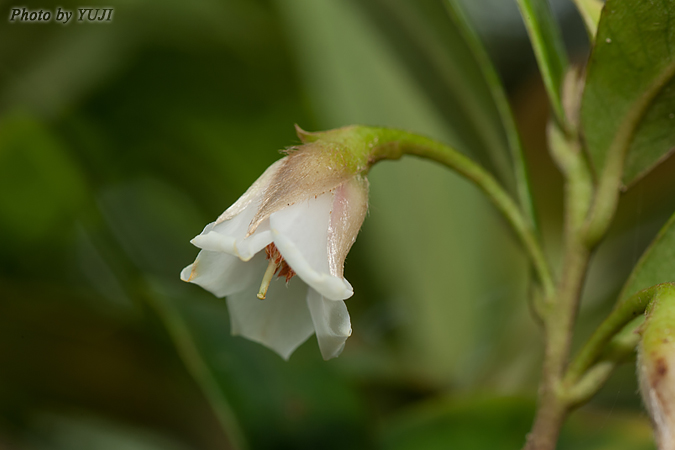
278 252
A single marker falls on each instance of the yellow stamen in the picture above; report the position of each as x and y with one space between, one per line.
267 279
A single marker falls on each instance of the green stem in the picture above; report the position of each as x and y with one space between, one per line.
567 154
559 312
616 351
197 367
559 317
588 215
392 144
551 414
586 222
623 314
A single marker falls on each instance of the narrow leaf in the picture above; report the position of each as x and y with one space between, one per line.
501 102
590 12
548 48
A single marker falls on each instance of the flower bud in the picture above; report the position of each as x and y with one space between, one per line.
656 367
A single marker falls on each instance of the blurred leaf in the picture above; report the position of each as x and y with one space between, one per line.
476 423
657 264
502 423
354 77
203 375
82 432
216 132
501 102
433 50
606 429
58 353
53 67
303 404
100 270
548 48
41 187
450 65
60 74
428 254
630 92
152 223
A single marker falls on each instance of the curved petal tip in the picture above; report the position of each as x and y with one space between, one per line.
331 322
330 286
186 273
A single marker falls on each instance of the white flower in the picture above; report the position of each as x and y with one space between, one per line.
298 222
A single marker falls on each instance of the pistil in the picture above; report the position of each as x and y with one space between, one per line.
272 267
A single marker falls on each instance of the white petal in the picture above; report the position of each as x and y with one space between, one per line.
251 245
220 273
252 193
350 206
230 236
281 321
331 322
300 232
307 171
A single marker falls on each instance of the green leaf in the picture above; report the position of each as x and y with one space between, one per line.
654 139
548 48
42 188
628 107
657 264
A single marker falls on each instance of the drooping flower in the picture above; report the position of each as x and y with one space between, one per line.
278 252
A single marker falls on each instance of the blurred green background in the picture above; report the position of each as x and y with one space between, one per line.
119 141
